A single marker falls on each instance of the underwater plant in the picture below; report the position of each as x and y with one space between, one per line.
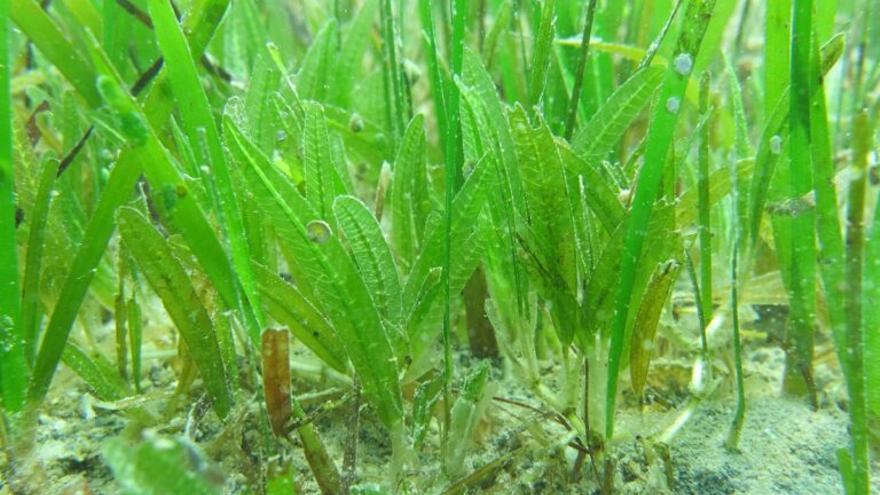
501 246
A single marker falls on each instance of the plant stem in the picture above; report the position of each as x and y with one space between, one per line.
705 225
739 415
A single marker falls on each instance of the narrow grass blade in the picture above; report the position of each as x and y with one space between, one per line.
773 139
583 55
541 54
777 53
116 191
313 78
197 118
354 45
705 225
76 284
660 136
438 84
392 76
97 373
802 278
13 367
33 261
36 24
732 441
855 349
172 284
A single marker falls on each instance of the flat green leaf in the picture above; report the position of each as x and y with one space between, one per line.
542 52
323 183
313 78
34 258
290 307
373 257
646 322
410 202
158 466
354 47
550 222
198 121
99 374
331 274
600 194
172 284
660 137
466 251
597 138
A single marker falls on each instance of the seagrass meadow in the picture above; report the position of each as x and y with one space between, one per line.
439 247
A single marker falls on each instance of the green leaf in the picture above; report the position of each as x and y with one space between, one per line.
373 257
466 414
600 195
13 342
549 214
597 138
158 466
354 47
323 183
290 307
98 373
33 261
331 274
313 78
197 119
410 202
466 252
647 320
660 136
172 284
541 53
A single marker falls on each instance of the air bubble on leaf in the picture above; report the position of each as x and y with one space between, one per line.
776 144
318 231
280 135
205 170
683 63
673 104
356 124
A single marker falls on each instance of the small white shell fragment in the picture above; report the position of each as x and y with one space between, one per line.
683 63
673 104
318 231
